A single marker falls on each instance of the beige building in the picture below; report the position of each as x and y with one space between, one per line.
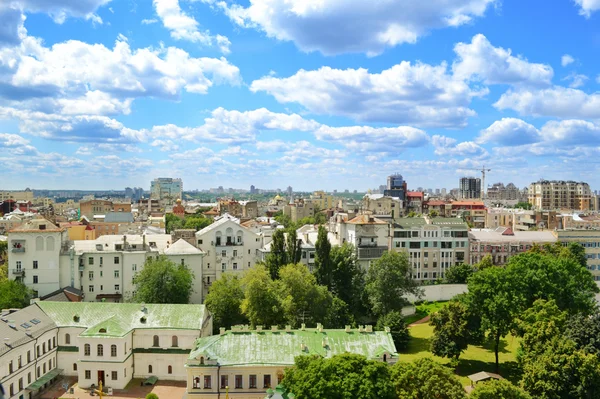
589 238
90 208
503 243
299 210
520 219
378 204
26 195
560 195
368 234
322 200
433 245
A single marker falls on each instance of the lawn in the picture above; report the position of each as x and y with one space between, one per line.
424 310
473 360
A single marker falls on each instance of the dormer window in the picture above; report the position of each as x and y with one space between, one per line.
102 331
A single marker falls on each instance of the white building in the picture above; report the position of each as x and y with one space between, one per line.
228 247
95 342
368 234
166 189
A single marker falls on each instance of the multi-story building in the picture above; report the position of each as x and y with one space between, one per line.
244 363
414 201
520 219
433 244
167 190
589 238
473 212
321 200
369 236
500 192
396 187
97 343
90 208
26 195
442 208
560 195
503 243
379 204
299 209
469 188
228 247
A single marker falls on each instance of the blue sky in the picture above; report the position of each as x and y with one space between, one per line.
316 94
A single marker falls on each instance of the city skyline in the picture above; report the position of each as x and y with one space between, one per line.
114 93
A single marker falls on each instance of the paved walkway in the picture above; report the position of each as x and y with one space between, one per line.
164 389
423 320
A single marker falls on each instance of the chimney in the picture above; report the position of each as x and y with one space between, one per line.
221 330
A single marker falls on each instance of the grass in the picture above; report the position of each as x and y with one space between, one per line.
424 310
476 358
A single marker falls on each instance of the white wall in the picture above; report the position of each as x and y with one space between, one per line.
442 292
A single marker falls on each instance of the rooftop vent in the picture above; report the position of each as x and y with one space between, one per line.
143 319
76 318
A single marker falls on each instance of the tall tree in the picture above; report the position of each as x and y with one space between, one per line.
458 274
498 389
323 258
398 328
348 279
340 377
293 247
278 255
585 332
453 330
163 281
14 294
261 304
424 379
388 281
224 301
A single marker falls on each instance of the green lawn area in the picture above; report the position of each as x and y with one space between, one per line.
423 310
473 360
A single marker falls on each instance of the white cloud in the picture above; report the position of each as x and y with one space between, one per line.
60 10
509 132
368 139
558 102
588 7
418 94
360 26
149 21
165 145
576 79
184 27
566 60
12 30
571 132
447 146
495 65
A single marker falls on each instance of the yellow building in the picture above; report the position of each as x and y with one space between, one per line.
79 231
322 200
26 195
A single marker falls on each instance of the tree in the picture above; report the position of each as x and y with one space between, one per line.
323 258
301 298
585 332
14 294
152 395
196 223
339 314
163 281
340 377
224 301
398 328
388 280
458 274
293 247
425 379
348 279
261 304
562 372
278 256
498 389
484 263
493 297
172 222
433 213
453 330
523 205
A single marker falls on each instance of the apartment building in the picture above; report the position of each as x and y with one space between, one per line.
228 247
472 212
503 243
521 219
589 238
322 200
25 195
245 363
469 188
500 192
368 234
97 342
560 195
433 244
299 209
93 207
166 190
379 204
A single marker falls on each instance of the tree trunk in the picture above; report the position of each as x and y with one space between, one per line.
496 348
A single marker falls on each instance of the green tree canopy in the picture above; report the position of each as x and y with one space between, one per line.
458 274
224 301
498 389
261 304
398 328
425 379
323 265
388 281
196 222
293 247
348 279
454 328
163 281
585 332
277 257
14 294
340 377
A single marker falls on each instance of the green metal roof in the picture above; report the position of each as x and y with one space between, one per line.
118 319
451 222
280 348
37 384
407 223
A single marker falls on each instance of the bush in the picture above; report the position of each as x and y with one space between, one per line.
398 329
152 395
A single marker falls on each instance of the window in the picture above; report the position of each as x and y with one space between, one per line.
114 375
35 264
182 262
116 260
150 369
235 252
223 266
223 253
91 288
134 267
12 389
88 375
19 266
44 368
44 347
29 378
28 356
74 366
113 350
155 341
101 288
116 273
207 382
117 287
101 260
199 242
10 367
67 339
252 381
100 350
170 369
197 383
54 342
90 261
174 341
35 279
234 266
224 381
91 275
239 384
267 381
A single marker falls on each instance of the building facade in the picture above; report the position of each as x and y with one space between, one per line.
299 210
90 208
379 204
560 195
503 243
469 188
589 238
167 190
500 192
396 187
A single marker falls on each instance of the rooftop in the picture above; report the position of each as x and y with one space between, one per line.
118 217
22 326
281 347
497 235
406 223
37 225
182 247
365 219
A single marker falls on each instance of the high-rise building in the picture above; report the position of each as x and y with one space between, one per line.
499 191
559 194
396 187
289 190
166 189
469 188
252 189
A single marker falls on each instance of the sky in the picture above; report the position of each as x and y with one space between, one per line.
316 94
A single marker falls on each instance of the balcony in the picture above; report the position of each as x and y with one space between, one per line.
18 249
371 253
367 244
229 244
80 268
18 272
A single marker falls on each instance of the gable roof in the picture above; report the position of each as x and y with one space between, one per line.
22 326
365 219
182 247
281 347
120 318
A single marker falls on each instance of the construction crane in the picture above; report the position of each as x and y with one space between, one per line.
483 171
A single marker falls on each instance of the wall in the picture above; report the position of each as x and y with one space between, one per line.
442 292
